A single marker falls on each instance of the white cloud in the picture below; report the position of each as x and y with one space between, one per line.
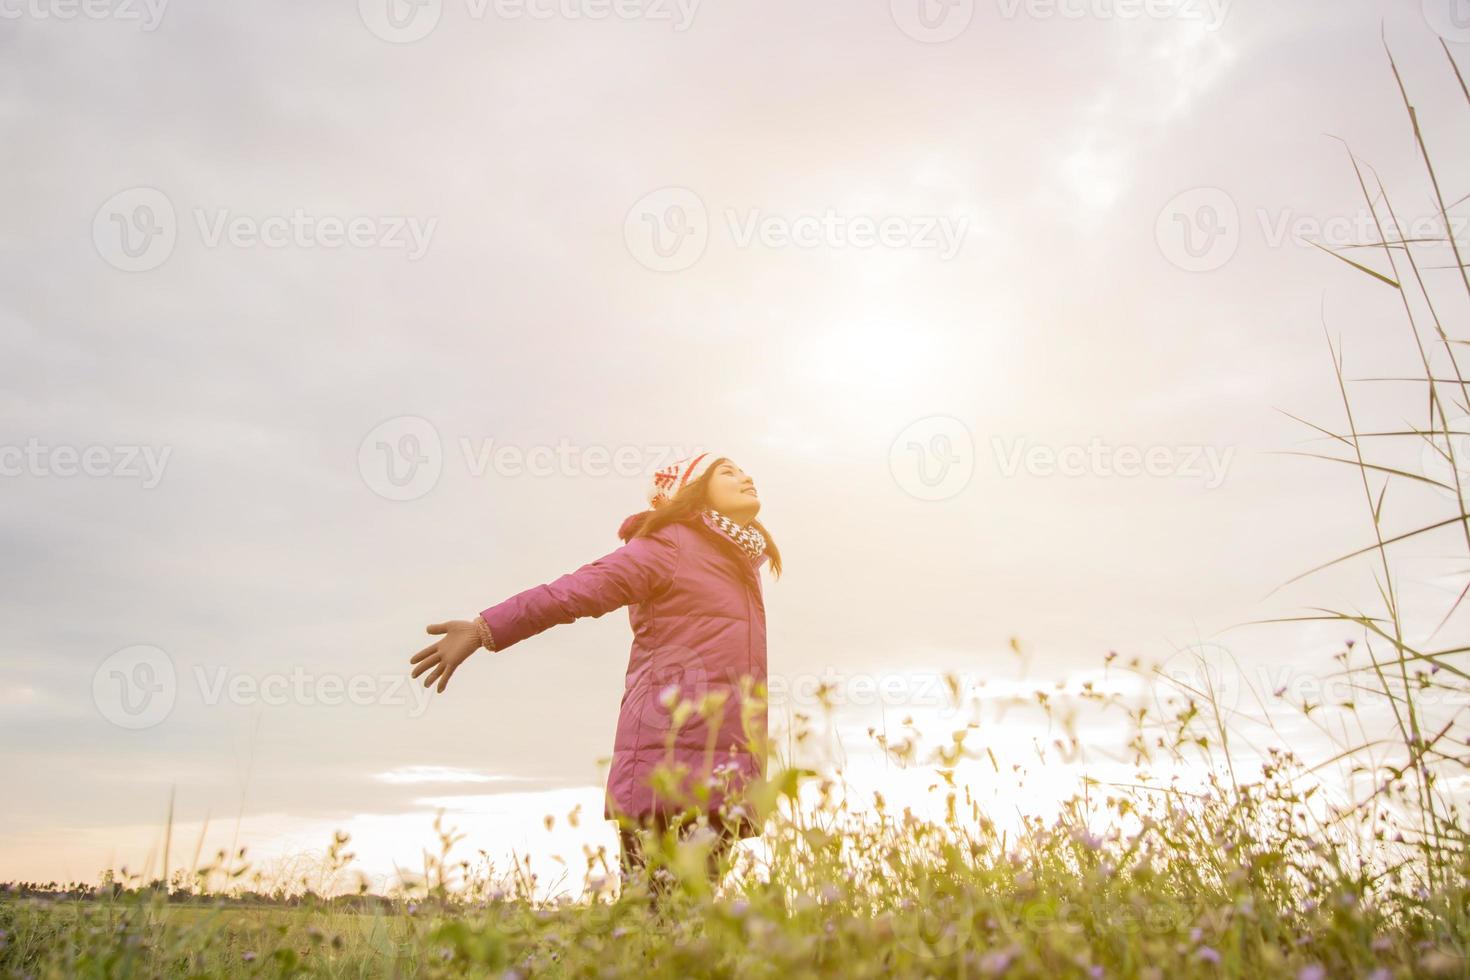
406 775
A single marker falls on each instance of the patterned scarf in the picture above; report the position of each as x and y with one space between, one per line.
748 538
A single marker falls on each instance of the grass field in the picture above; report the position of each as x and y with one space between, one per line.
1229 884
1245 878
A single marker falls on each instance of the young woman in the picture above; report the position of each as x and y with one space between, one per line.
691 733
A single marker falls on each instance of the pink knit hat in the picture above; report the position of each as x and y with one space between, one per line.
676 476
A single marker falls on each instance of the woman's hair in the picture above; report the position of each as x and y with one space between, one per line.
685 506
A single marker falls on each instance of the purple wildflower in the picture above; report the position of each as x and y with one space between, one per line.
996 963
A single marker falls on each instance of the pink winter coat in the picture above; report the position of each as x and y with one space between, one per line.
699 621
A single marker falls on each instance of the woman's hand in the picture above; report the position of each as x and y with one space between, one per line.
461 638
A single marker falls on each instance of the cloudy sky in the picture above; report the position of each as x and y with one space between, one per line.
319 323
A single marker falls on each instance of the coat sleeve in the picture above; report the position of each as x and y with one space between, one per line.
639 570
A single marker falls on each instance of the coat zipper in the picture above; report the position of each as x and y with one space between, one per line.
749 572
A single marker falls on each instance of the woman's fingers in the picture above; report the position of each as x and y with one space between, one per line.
439 661
431 661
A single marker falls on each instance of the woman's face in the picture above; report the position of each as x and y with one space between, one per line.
732 492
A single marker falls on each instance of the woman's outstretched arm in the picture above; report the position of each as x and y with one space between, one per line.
634 572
